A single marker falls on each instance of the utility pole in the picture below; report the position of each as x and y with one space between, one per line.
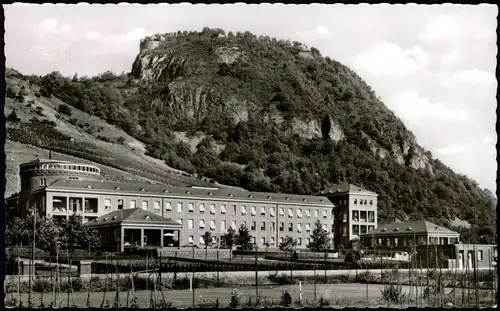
475 258
32 265
256 273
192 277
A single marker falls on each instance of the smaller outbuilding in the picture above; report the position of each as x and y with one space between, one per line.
404 234
136 227
431 245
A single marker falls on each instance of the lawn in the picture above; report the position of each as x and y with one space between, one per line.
339 294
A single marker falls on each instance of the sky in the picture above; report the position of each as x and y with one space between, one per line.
434 66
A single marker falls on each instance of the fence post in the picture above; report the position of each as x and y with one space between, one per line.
475 262
381 268
492 290
175 267
410 270
300 291
256 275
314 275
159 276
325 268
192 278
217 267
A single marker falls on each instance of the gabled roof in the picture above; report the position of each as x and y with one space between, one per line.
410 227
132 215
345 188
163 190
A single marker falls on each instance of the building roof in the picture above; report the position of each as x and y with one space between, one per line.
37 161
410 227
345 188
48 161
132 215
52 161
139 188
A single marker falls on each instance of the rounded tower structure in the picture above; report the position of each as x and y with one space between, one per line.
40 173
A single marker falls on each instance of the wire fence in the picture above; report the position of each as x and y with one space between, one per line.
153 281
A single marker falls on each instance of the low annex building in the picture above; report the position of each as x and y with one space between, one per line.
136 228
433 245
403 234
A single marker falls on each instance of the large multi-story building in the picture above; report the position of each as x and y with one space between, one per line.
59 189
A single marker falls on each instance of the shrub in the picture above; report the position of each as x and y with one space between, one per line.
42 286
235 299
323 302
103 138
39 110
12 302
12 117
286 299
120 140
365 277
64 109
283 279
10 93
159 304
393 293
207 302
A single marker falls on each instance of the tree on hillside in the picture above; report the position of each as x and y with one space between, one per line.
207 240
12 117
320 240
288 245
64 109
10 93
243 239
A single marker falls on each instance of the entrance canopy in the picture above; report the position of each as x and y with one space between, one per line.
134 216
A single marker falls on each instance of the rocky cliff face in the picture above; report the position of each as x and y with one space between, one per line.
186 99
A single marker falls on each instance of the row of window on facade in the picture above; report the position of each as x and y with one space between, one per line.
253 225
81 168
364 229
408 241
59 205
262 240
60 219
243 210
363 202
361 216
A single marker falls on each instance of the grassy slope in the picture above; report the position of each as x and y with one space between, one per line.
130 156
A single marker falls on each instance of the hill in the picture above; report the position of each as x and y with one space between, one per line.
270 115
76 136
